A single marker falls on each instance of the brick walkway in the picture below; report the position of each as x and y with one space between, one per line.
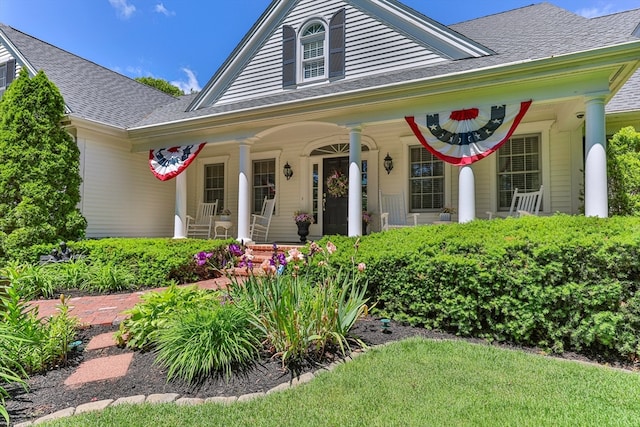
107 309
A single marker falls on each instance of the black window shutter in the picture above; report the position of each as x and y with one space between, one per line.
288 56
11 71
336 44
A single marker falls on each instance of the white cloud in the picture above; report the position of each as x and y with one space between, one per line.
125 10
592 12
161 9
190 85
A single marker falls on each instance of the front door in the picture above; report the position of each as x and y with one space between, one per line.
335 208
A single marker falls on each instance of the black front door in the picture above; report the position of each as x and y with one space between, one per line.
335 208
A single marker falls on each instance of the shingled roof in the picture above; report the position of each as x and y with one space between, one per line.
90 91
533 32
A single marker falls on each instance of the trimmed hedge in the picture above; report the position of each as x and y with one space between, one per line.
153 261
561 282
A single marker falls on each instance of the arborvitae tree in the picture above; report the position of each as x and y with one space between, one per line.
160 84
623 170
39 174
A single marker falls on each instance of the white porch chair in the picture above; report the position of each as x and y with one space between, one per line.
393 212
522 204
202 224
259 230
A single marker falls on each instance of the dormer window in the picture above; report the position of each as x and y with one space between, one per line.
314 53
313 49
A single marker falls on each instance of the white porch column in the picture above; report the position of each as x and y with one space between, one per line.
466 195
355 182
244 192
596 201
180 217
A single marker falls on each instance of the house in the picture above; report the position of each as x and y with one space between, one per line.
465 114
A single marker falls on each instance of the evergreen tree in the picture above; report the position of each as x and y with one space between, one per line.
39 174
160 84
623 170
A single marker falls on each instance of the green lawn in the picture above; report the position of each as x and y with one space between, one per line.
420 383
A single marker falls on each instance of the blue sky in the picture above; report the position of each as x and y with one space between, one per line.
185 41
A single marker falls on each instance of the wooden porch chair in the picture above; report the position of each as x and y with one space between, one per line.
202 224
393 212
522 204
259 230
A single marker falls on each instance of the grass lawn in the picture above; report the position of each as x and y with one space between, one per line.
420 383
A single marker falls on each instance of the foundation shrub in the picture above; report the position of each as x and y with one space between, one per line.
151 261
560 282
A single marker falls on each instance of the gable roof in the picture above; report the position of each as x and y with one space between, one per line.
90 91
385 26
530 33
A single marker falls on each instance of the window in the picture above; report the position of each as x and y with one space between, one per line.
314 52
264 182
426 180
214 184
313 58
518 167
7 74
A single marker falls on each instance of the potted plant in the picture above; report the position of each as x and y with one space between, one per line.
225 215
303 221
445 213
367 217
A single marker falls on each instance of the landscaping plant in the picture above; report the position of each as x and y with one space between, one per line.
205 341
157 311
300 315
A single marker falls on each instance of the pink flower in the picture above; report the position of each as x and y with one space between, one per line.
267 267
295 255
331 248
362 267
248 254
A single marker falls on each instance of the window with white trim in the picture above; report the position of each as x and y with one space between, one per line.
312 42
426 180
264 182
214 184
518 167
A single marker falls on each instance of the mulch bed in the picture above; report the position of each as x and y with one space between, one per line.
48 394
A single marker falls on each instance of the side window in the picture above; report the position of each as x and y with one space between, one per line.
426 180
518 167
7 74
264 182
214 184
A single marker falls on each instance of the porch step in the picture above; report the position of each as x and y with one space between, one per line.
262 252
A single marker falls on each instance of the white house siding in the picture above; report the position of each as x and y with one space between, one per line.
120 195
370 47
560 169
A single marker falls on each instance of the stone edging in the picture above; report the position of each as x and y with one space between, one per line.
175 398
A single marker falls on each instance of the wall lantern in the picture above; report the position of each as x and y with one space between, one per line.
388 163
288 172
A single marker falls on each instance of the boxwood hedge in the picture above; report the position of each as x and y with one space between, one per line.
560 282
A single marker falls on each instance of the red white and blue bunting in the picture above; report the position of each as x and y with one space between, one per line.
167 163
463 137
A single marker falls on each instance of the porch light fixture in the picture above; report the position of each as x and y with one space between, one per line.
288 172
388 163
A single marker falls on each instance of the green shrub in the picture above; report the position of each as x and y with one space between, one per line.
110 277
10 371
207 340
561 282
40 344
154 312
